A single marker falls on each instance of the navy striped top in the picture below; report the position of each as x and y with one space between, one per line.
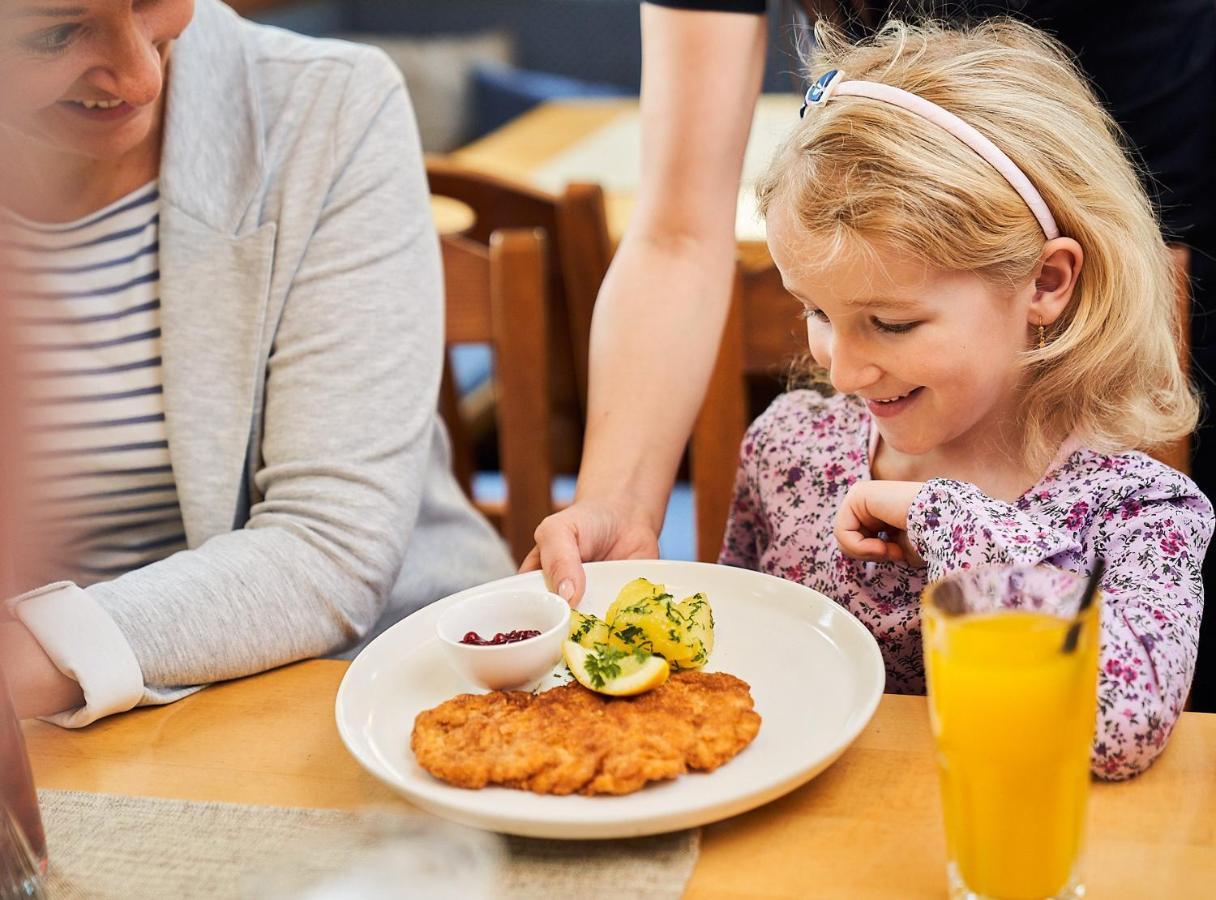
87 302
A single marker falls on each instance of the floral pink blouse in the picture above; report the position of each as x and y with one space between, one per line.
1150 522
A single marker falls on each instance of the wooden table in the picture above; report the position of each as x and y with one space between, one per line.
869 826
521 149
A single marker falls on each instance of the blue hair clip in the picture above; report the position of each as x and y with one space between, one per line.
819 91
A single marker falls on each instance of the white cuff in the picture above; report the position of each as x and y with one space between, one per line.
85 644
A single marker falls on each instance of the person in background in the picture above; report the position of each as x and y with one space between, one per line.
994 316
227 285
1154 65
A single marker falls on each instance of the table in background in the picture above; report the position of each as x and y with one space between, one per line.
600 141
870 826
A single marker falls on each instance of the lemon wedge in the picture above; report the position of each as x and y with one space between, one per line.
618 673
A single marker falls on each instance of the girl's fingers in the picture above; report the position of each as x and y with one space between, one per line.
859 546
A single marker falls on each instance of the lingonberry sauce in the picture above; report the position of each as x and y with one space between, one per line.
503 637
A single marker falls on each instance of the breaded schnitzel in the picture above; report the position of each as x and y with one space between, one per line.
570 739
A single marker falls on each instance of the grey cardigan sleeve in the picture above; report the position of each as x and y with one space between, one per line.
350 391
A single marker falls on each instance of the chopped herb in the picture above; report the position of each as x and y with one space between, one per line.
630 634
603 664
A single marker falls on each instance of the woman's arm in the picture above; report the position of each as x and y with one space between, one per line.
350 391
661 309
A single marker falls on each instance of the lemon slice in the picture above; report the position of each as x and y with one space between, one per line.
587 631
618 673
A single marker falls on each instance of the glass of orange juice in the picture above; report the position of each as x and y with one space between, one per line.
1012 703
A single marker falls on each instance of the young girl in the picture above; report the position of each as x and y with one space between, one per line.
987 290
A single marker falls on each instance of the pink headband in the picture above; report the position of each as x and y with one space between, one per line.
833 84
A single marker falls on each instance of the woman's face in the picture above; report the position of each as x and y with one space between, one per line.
84 77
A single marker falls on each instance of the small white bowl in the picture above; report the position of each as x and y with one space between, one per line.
505 666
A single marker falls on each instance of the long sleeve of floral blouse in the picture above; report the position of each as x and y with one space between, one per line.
1152 526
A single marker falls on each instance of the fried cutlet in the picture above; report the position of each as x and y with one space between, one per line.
570 739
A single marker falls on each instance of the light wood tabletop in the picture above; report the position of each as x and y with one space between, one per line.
536 148
869 826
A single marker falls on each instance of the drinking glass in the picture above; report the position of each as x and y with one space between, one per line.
1012 669
22 842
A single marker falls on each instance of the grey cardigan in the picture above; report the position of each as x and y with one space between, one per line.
302 343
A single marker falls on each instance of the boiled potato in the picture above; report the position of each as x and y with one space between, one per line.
699 619
644 618
634 592
652 623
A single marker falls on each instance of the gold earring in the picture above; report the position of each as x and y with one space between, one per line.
1042 340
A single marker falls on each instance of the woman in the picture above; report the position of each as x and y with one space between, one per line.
230 282
702 65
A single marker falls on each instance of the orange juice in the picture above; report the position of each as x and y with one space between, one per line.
1013 716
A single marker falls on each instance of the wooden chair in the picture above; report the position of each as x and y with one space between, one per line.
761 338
496 296
580 250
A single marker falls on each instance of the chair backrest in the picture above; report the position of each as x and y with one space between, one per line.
576 225
761 338
496 296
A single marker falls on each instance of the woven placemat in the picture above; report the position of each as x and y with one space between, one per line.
106 846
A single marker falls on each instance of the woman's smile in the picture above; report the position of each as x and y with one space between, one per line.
101 111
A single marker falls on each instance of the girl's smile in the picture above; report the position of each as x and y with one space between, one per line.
892 406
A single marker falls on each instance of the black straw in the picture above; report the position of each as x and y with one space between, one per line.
1087 599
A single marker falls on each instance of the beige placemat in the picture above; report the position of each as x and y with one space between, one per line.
105 846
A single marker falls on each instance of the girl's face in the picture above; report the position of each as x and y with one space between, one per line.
83 77
934 354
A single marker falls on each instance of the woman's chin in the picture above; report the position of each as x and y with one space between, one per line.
97 141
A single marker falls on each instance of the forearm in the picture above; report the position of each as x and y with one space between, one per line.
654 341
660 312
954 525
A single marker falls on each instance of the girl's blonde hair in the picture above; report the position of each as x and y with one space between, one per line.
860 169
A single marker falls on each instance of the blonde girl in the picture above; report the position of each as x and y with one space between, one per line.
988 293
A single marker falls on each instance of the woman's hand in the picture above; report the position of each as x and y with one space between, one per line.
38 687
873 521
589 530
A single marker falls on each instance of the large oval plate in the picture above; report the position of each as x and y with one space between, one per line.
815 672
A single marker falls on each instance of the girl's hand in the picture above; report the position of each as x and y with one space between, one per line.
873 522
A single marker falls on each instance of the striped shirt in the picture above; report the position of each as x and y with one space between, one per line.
87 310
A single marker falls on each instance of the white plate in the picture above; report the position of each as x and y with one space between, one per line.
815 672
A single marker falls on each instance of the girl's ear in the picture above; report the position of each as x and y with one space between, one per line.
1055 280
